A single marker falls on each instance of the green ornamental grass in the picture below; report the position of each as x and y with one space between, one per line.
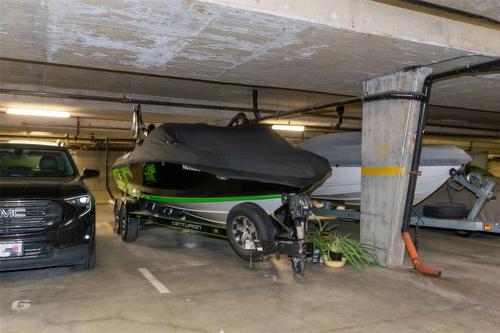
356 253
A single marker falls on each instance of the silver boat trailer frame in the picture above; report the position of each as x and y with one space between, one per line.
480 186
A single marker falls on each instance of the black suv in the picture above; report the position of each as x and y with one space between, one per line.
47 214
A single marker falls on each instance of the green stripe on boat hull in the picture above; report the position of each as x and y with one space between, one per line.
217 211
210 199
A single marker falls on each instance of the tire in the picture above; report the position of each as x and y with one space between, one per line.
117 209
446 210
464 233
88 264
128 232
263 230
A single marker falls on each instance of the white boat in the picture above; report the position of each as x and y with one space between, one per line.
343 151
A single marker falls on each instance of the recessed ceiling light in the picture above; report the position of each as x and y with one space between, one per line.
295 128
41 143
37 112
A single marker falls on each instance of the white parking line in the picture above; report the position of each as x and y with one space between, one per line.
21 304
154 281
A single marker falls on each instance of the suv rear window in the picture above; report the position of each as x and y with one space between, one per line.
27 162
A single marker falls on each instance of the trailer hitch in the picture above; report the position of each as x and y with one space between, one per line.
299 209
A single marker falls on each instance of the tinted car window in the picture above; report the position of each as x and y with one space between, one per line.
24 162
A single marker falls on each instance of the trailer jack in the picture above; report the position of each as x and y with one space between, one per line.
417 262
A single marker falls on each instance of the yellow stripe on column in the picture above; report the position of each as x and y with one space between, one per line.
383 171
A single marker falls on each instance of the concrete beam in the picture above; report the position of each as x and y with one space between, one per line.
388 143
110 110
375 18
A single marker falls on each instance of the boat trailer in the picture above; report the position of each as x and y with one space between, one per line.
480 186
291 217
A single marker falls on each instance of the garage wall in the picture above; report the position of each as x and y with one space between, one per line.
494 168
95 159
480 159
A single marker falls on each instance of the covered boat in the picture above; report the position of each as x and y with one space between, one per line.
343 151
205 170
241 183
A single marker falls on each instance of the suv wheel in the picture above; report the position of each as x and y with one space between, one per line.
88 264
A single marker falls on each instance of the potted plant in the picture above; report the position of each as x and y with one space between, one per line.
355 253
333 256
324 242
338 249
335 249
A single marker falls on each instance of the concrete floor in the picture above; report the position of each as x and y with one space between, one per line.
212 290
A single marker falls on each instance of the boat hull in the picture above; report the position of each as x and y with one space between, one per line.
226 194
215 210
345 184
344 153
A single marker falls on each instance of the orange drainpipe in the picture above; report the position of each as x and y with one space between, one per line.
412 252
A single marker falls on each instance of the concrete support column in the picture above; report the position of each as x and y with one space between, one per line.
389 128
480 159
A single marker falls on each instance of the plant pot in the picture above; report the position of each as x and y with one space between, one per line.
335 256
334 264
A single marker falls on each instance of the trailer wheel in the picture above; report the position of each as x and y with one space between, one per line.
128 232
248 225
117 211
446 210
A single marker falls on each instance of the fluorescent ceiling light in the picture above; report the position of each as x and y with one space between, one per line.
36 112
295 128
41 143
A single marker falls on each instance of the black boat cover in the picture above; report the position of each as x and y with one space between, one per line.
255 153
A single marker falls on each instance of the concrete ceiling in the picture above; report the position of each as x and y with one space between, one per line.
486 8
198 40
227 42
53 78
